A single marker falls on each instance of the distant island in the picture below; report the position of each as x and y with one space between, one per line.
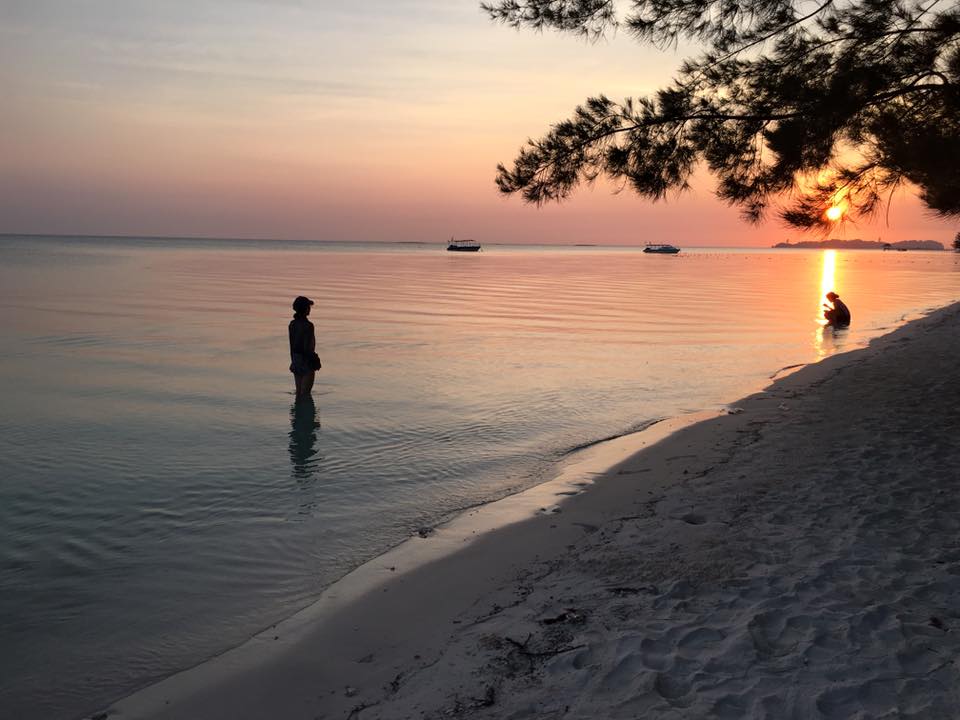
858 244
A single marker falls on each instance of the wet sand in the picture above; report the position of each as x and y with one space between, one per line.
797 557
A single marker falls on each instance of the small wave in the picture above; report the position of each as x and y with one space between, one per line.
629 431
787 367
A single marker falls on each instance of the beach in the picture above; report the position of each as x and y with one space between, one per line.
794 557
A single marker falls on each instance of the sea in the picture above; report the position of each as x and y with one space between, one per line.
162 497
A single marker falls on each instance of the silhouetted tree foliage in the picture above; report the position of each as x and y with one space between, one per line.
802 104
956 242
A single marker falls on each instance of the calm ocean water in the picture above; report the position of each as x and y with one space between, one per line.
161 499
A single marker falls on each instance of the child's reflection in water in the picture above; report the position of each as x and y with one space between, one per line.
304 427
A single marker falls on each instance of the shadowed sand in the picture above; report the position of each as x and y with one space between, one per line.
797 558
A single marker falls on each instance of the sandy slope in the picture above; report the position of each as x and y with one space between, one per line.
798 559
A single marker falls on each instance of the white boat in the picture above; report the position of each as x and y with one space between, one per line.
463 245
661 249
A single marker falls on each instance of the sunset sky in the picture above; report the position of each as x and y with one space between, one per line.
381 120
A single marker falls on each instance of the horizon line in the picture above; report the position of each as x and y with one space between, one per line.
215 238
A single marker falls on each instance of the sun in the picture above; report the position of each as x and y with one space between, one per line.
834 213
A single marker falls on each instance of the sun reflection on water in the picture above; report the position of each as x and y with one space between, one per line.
827 279
823 340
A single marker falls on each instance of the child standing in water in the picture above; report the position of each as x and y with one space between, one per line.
303 344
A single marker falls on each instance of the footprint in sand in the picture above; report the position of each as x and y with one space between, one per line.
671 688
878 697
732 707
774 635
657 654
696 641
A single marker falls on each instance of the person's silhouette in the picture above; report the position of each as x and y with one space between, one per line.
303 346
839 314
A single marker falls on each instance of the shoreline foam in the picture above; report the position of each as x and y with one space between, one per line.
431 640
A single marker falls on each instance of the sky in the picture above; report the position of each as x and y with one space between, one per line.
297 119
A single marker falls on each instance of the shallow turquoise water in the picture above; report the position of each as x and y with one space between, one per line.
161 499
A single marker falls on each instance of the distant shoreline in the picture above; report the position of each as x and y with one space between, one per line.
857 244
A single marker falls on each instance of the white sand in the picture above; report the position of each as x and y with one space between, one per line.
798 559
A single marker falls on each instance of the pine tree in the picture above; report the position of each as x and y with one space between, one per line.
795 105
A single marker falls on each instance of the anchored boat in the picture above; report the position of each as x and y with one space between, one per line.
661 249
463 245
